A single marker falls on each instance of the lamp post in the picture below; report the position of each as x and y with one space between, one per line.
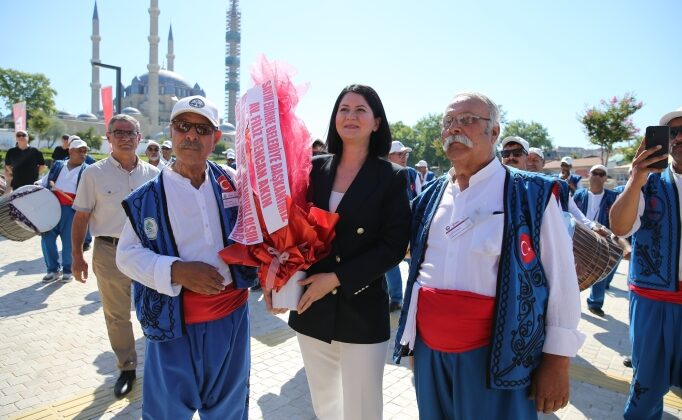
118 82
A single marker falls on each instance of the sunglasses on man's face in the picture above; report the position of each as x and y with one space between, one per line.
599 173
674 131
185 126
517 153
153 149
24 135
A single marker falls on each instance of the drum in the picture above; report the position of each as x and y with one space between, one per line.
3 185
595 256
28 211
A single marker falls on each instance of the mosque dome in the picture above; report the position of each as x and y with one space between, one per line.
170 83
227 128
65 115
87 117
129 110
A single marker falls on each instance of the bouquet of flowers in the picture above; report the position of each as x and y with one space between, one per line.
277 230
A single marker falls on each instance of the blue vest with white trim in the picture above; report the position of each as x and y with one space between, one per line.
656 245
57 168
518 333
581 199
161 315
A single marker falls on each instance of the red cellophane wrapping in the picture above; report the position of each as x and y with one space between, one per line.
308 236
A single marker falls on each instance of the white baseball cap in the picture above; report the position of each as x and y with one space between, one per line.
196 105
167 145
398 147
77 143
515 139
230 154
598 167
152 143
671 116
421 164
567 160
537 151
72 138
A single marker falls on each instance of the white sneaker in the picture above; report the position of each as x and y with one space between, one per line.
50 277
67 277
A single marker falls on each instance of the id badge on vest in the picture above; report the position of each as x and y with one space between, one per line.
458 228
230 199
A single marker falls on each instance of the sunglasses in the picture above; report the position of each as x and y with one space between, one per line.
517 153
185 126
595 173
24 135
153 149
674 131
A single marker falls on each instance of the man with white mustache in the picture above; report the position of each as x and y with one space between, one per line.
492 303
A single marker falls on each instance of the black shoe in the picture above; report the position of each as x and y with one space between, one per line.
394 306
86 247
124 383
596 311
627 362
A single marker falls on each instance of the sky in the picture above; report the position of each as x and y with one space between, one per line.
543 61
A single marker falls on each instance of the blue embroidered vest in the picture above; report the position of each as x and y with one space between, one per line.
656 245
57 168
161 315
518 333
581 198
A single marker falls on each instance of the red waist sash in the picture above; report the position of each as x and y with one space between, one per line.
454 321
205 308
660 295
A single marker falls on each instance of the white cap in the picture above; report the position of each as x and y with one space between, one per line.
597 167
21 131
230 154
671 116
77 143
537 151
567 160
152 143
398 147
515 139
72 138
196 105
167 145
421 164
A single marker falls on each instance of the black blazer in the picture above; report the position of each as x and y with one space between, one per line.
371 237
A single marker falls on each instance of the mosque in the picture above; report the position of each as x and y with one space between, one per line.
150 97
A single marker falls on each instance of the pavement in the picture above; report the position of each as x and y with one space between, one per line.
56 363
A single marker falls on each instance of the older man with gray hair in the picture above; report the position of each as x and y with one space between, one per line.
102 188
492 303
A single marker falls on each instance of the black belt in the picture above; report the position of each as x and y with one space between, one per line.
110 239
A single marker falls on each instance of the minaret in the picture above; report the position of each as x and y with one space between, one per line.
95 85
232 53
153 66
170 57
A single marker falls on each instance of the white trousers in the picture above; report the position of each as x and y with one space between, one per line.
345 380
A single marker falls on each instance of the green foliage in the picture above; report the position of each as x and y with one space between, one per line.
220 147
39 122
535 133
34 88
91 137
610 123
54 130
424 139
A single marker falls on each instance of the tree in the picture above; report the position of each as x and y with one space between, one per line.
535 133
91 137
35 89
403 133
54 130
610 123
39 122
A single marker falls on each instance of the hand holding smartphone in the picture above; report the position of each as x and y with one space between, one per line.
657 135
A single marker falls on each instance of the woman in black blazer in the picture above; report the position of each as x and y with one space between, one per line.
342 319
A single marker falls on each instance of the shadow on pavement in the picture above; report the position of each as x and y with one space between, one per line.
93 306
23 267
31 298
294 393
615 336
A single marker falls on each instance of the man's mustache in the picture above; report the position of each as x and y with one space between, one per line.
460 138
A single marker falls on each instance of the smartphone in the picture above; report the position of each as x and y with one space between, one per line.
658 135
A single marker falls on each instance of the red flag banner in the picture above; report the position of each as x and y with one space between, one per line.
107 105
19 113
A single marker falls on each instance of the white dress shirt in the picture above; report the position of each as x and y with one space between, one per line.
469 262
194 219
640 212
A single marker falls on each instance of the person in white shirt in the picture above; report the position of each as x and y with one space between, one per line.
62 179
192 306
153 153
492 302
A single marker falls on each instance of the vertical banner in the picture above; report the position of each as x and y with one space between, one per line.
268 160
19 113
247 230
107 105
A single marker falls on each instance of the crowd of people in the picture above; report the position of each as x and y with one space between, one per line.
489 315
